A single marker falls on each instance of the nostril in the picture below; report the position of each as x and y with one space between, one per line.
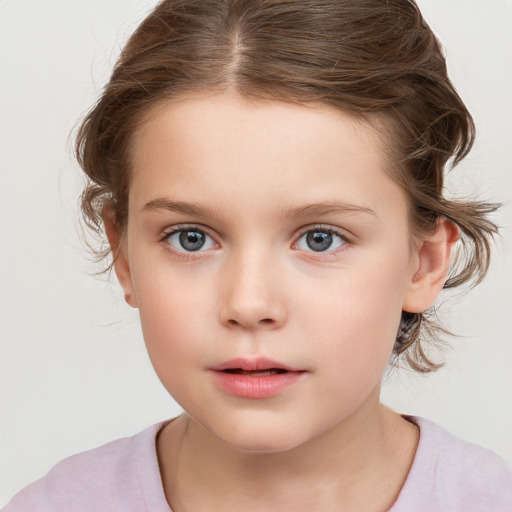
262 322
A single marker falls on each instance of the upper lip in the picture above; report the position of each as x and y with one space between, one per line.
260 363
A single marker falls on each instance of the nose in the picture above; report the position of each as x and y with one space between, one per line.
253 294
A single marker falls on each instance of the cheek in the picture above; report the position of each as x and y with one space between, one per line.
174 312
357 315
353 337
172 324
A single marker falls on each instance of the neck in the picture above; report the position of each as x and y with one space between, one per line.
360 464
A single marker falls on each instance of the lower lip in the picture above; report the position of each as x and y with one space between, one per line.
256 386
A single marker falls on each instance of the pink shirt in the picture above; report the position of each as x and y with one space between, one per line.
447 475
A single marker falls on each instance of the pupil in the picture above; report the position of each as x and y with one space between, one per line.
192 240
319 240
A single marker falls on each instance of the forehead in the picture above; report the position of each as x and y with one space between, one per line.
193 115
222 146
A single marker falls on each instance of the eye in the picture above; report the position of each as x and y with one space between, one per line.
189 240
320 240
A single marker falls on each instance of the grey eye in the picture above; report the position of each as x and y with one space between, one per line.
190 240
320 240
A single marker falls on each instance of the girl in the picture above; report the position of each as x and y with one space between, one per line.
270 179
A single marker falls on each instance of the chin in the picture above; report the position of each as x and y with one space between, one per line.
258 439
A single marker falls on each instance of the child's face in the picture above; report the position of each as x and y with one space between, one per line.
294 247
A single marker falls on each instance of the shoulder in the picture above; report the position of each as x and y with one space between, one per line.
91 480
470 465
454 475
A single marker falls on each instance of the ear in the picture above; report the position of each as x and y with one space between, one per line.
431 267
117 241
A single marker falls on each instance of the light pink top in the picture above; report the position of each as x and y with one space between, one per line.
447 475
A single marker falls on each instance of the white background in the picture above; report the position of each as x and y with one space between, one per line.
73 368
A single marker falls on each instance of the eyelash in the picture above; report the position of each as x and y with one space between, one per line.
309 229
324 229
186 255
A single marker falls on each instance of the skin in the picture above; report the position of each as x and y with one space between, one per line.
257 289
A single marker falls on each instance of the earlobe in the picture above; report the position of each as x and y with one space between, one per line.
433 262
119 253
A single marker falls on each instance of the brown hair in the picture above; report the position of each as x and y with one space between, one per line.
373 59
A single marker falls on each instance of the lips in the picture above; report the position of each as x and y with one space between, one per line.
255 378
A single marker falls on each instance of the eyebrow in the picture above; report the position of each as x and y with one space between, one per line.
324 208
178 206
308 210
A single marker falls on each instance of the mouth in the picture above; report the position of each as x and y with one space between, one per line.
255 378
